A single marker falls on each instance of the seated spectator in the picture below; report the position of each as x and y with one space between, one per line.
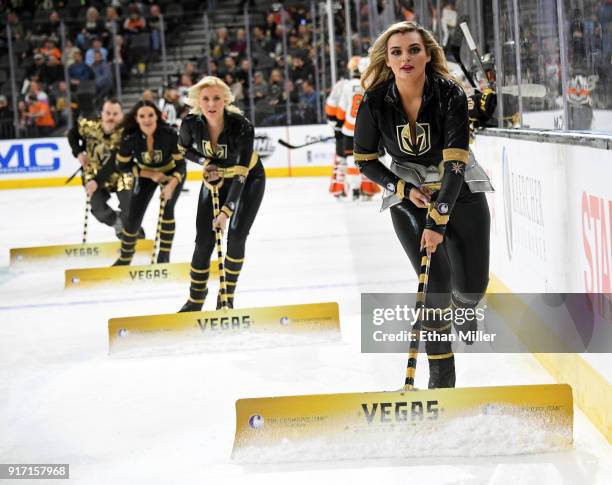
23 126
228 67
295 47
111 19
93 28
235 86
38 92
38 70
304 33
149 95
221 46
259 38
191 71
49 49
39 116
103 75
96 46
68 54
184 84
122 57
16 25
50 28
135 23
169 105
275 86
299 70
55 71
272 21
79 71
7 129
242 73
154 24
308 102
260 86
59 103
238 46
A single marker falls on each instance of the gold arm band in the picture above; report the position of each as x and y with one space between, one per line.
455 154
163 168
438 218
400 188
124 159
254 158
177 176
228 212
229 258
365 157
229 271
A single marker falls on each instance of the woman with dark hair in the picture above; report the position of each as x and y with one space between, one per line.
149 150
217 130
418 113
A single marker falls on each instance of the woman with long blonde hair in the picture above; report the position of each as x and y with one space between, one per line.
417 112
217 133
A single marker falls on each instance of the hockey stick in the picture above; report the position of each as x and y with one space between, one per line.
472 45
218 237
455 50
69 179
413 352
162 206
86 219
293 147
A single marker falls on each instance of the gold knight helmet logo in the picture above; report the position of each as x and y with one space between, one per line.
423 143
220 152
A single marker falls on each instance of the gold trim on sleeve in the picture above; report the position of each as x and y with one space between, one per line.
254 158
438 218
123 158
400 187
227 211
365 157
455 154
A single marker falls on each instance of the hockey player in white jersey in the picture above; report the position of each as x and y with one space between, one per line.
346 112
331 107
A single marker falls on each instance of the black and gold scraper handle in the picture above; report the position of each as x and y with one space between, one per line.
413 351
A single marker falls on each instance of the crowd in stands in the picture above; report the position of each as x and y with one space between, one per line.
102 40
122 37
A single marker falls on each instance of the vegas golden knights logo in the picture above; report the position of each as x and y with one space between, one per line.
422 144
156 159
220 152
99 151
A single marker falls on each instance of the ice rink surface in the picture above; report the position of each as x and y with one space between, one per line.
168 418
